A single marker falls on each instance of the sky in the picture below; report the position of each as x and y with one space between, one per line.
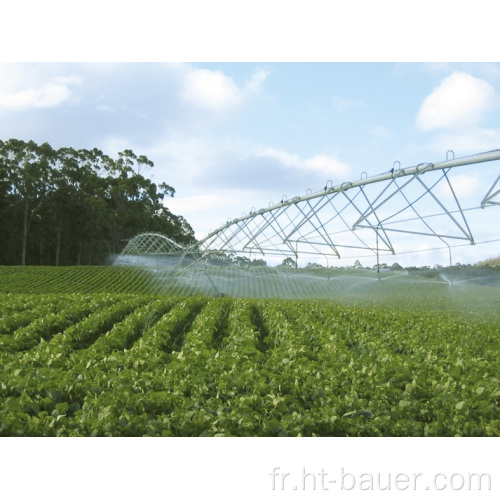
231 137
237 134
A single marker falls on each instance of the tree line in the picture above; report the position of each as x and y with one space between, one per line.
77 207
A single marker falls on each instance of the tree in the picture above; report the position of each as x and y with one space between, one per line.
258 263
242 261
289 262
27 166
314 265
72 206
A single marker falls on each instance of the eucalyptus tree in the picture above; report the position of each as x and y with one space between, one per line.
28 169
70 206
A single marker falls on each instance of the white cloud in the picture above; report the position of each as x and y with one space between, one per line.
460 101
255 82
210 89
326 165
215 91
48 95
225 160
282 156
219 178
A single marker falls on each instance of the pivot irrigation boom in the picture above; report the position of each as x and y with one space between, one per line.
425 201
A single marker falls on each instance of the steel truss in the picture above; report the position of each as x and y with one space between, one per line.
367 214
489 199
152 244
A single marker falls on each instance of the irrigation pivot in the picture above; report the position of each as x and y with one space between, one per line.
363 214
372 214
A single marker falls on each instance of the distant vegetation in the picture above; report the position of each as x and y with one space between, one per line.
490 262
74 207
78 279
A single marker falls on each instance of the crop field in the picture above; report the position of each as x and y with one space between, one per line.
110 352
78 279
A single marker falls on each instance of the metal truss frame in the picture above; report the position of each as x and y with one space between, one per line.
489 199
365 214
152 244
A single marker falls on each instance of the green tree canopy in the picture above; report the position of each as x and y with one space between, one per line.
70 206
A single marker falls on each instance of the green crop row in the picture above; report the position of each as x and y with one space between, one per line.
81 279
112 364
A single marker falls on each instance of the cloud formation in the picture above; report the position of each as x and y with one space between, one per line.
320 165
210 89
460 101
47 95
215 91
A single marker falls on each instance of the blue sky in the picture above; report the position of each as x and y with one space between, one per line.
234 136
